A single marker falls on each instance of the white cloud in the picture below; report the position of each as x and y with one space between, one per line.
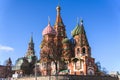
6 48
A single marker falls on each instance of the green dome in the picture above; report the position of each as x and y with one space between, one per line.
78 30
66 40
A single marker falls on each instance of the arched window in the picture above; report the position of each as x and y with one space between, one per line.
91 73
83 50
78 50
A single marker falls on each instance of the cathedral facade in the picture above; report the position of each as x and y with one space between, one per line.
60 55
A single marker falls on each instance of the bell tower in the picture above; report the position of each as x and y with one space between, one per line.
60 31
59 25
30 51
84 63
82 47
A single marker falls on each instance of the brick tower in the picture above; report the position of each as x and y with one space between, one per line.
48 53
84 63
60 31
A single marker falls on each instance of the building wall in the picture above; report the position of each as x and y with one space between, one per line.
2 71
71 77
5 71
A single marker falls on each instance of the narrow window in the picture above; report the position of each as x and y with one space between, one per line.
78 50
83 50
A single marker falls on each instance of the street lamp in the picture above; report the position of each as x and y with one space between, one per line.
36 69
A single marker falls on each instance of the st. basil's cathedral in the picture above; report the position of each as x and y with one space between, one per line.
58 54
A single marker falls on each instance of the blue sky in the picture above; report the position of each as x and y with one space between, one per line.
18 18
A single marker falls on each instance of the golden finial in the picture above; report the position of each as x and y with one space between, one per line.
58 8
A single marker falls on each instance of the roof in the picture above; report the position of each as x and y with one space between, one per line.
79 29
59 21
16 68
65 40
48 30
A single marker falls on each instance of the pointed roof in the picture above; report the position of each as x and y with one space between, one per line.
30 50
59 21
79 29
48 30
9 60
31 38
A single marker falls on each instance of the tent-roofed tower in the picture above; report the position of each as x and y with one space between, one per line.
30 51
81 41
84 63
9 62
30 54
59 25
26 64
60 31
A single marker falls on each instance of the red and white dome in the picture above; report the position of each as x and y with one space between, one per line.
49 30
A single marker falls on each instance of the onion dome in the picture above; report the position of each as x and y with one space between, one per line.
48 30
78 29
58 9
65 40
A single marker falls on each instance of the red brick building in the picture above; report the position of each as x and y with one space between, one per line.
60 55
5 71
2 71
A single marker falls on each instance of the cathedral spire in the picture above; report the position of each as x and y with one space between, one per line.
31 38
30 50
31 43
9 62
59 21
59 25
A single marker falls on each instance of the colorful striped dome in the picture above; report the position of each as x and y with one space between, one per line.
79 29
65 40
49 30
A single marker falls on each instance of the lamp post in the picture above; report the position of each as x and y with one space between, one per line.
35 72
36 69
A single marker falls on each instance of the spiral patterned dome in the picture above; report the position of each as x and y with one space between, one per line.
65 40
49 30
78 29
